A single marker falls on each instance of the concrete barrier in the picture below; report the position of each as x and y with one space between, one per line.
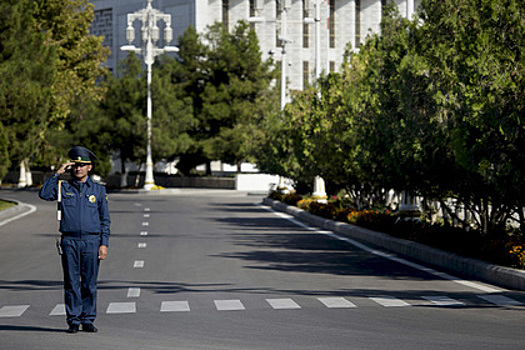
494 274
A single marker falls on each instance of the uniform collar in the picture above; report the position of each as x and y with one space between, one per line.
78 184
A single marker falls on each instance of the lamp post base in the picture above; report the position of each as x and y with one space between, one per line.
149 186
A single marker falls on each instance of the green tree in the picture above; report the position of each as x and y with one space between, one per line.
476 51
173 113
27 67
236 82
124 108
229 86
66 25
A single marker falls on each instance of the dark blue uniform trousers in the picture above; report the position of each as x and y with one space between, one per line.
80 264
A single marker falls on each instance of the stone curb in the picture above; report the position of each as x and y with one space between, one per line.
12 213
494 274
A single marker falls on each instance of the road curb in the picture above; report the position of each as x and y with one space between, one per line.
494 274
16 212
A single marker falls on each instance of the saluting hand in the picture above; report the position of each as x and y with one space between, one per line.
63 168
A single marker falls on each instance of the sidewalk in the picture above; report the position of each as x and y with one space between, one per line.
494 274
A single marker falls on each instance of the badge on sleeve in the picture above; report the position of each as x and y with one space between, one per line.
92 199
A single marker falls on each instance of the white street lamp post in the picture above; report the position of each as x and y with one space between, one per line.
150 34
319 184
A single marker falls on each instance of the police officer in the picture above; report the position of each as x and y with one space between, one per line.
85 229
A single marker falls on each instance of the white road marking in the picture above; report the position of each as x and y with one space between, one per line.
229 305
174 306
13 310
133 293
387 301
138 204
143 233
138 264
58 310
337 303
146 215
146 209
364 247
32 209
121 308
441 300
500 300
145 224
142 245
283 304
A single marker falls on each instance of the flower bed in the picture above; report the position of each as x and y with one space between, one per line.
506 249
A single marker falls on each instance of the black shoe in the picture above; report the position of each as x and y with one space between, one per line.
73 329
89 327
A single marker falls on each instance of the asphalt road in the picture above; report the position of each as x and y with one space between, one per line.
215 270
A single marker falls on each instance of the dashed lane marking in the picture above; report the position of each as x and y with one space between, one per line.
440 300
283 304
229 305
133 293
337 303
138 264
142 245
13 310
388 301
59 310
121 308
143 233
174 306
145 224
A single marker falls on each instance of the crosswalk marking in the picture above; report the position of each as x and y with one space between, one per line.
143 233
142 245
277 304
229 305
500 300
133 293
59 310
13 310
121 308
174 306
388 301
336 303
138 264
443 300
283 304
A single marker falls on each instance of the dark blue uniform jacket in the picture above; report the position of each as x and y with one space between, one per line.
84 207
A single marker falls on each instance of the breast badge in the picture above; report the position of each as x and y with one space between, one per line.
92 199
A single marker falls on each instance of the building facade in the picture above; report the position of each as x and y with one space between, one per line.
278 23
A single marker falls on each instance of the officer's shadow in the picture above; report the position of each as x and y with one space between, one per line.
30 329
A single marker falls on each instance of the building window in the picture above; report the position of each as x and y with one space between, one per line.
225 13
332 23
278 10
306 26
102 25
252 13
332 66
357 23
306 74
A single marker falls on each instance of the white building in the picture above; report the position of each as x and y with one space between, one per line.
342 23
